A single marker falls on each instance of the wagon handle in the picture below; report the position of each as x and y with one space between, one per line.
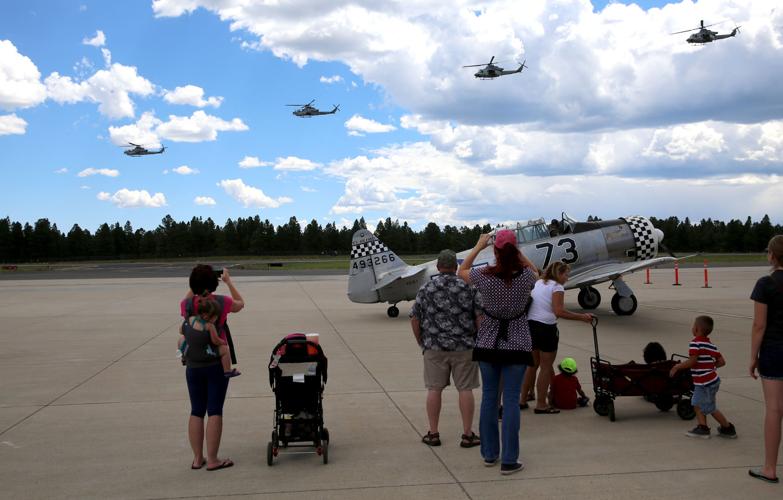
594 323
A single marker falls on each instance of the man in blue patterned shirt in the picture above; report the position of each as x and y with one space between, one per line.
445 320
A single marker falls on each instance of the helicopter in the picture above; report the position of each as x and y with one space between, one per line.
308 110
137 150
490 71
706 36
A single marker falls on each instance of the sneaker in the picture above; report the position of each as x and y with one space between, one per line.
507 469
700 431
490 463
727 432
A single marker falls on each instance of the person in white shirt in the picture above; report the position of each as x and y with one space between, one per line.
547 306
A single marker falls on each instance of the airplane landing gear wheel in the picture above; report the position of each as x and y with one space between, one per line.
393 312
624 306
589 298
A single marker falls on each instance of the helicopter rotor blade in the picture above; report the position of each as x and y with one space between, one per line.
311 102
493 58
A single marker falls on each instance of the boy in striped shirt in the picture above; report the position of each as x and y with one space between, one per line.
704 359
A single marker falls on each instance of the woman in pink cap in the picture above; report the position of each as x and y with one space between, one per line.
503 347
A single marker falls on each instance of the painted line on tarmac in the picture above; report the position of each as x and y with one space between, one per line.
385 391
112 363
701 311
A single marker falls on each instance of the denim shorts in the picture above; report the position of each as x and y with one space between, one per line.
704 397
771 362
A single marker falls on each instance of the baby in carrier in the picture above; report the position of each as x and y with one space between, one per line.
204 321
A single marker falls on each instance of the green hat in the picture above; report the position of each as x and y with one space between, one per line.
568 365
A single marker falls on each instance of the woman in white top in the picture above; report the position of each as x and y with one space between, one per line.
547 306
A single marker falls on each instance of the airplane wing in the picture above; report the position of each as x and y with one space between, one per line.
399 274
610 271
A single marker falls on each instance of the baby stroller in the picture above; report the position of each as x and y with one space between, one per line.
639 379
297 374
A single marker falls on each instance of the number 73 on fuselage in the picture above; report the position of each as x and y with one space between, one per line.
597 251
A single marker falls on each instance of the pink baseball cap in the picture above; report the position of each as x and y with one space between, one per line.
504 237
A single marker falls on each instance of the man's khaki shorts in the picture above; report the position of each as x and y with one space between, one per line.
438 365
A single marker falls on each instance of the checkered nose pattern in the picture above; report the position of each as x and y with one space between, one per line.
643 236
368 248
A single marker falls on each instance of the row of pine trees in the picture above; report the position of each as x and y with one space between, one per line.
44 242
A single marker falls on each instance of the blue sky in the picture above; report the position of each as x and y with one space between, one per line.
614 116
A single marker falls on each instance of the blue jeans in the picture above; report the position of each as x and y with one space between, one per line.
491 375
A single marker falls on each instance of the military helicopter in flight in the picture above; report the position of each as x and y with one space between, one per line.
137 150
706 36
490 71
308 110
598 252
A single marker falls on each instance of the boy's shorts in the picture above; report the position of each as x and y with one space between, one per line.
439 365
704 397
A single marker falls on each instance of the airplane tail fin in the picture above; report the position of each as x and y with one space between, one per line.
371 260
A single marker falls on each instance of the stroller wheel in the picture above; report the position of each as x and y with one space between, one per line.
269 454
325 451
664 402
325 435
274 438
601 405
685 410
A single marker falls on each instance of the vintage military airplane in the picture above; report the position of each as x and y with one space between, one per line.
490 71
706 36
137 150
308 110
597 251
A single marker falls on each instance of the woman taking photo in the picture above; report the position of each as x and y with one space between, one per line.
207 385
548 296
766 355
503 343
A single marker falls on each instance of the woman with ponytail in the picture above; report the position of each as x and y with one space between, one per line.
548 296
503 343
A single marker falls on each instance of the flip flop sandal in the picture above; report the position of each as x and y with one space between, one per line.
758 475
225 464
197 467
470 441
431 439
232 373
546 411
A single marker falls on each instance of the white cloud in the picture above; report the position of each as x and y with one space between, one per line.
204 201
331 79
106 53
589 69
358 125
20 85
125 198
149 130
61 171
252 162
110 88
184 170
295 164
198 127
12 124
108 172
307 189
99 40
250 196
191 95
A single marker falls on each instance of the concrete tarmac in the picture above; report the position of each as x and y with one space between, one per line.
93 403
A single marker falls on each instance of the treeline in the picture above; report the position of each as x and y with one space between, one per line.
44 242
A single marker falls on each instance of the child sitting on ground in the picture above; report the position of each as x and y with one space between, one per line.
208 311
565 387
704 359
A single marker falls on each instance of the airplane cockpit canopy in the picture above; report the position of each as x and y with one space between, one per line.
532 230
